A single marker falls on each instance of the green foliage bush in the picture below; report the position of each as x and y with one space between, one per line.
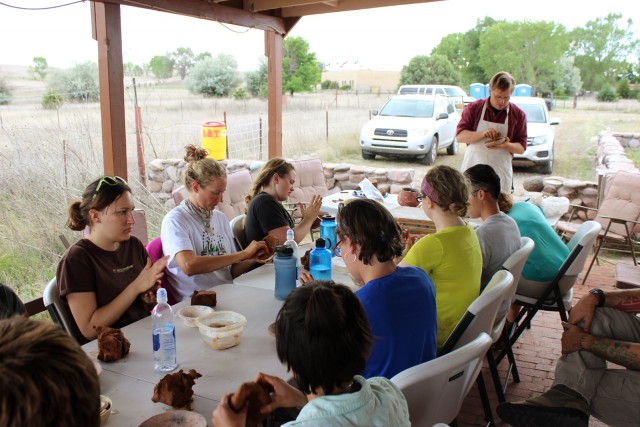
78 83
330 84
214 77
345 87
607 94
5 92
52 100
240 94
257 81
624 91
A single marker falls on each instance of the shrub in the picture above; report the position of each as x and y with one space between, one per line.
214 77
624 91
52 100
240 94
345 87
607 94
78 83
5 92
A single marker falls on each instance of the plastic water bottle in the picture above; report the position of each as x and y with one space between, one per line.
291 242
328 231
164 335
285 263
320 261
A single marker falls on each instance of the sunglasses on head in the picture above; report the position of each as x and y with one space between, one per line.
108 180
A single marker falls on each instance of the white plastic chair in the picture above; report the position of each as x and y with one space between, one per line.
237 227
59 311
514 264
480 318
435 389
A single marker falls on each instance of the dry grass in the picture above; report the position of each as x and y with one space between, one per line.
39 177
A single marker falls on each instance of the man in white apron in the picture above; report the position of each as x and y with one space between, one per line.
489 120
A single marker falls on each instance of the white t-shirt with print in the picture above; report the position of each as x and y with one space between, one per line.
182 231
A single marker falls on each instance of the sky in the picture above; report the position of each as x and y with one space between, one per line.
379 39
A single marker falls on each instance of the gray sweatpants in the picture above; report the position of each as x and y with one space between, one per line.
613 394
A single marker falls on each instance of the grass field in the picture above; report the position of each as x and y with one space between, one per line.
49 157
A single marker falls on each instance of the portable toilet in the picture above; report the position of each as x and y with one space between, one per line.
477 90
486 90
522 90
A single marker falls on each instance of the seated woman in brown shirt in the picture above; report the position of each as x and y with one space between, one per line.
108 278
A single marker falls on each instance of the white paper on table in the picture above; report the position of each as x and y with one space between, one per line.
370 191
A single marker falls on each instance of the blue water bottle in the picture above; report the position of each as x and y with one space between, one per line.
328 231
320 261
285 263
164 335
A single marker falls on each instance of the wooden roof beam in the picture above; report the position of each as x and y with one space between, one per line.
261 5
212 12
318 8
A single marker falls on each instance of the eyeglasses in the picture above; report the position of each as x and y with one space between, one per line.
109 180
336 249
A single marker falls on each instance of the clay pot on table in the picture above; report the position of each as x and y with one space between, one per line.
408 197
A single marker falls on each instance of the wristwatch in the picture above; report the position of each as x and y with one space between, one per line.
600 294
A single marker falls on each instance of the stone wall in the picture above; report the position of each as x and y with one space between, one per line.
610 157
164 176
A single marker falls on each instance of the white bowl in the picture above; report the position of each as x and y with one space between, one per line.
221 329
190 313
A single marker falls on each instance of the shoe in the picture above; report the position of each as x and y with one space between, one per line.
560 406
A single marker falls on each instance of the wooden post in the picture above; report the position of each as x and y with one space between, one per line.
107 31
226 133
273 50
142 172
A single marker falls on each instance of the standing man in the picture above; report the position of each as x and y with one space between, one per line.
488 120
602 328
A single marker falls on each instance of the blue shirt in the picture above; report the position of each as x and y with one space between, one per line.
401 308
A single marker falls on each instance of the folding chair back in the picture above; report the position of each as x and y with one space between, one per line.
60 312
436 389
237 227
481 314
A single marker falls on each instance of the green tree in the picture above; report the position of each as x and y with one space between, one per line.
78 83
601 49
132 70
203 55
5 92
183 59
214 77
39 68
567 81
300 68
434 69
530 51
161 66
258 81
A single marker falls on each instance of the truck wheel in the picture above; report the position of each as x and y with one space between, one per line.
368 156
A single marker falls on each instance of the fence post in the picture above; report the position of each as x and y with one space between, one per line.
326 120
227 134
138 119
260 134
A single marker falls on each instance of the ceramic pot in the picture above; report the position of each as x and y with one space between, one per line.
408 197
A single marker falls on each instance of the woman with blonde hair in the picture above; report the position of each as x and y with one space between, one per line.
197 238
108 278
265 213
451 256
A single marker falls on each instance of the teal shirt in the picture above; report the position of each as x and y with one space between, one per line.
549 251
378 403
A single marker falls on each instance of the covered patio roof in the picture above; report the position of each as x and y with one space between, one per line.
275 17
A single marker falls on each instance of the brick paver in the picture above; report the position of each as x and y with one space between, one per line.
538 349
